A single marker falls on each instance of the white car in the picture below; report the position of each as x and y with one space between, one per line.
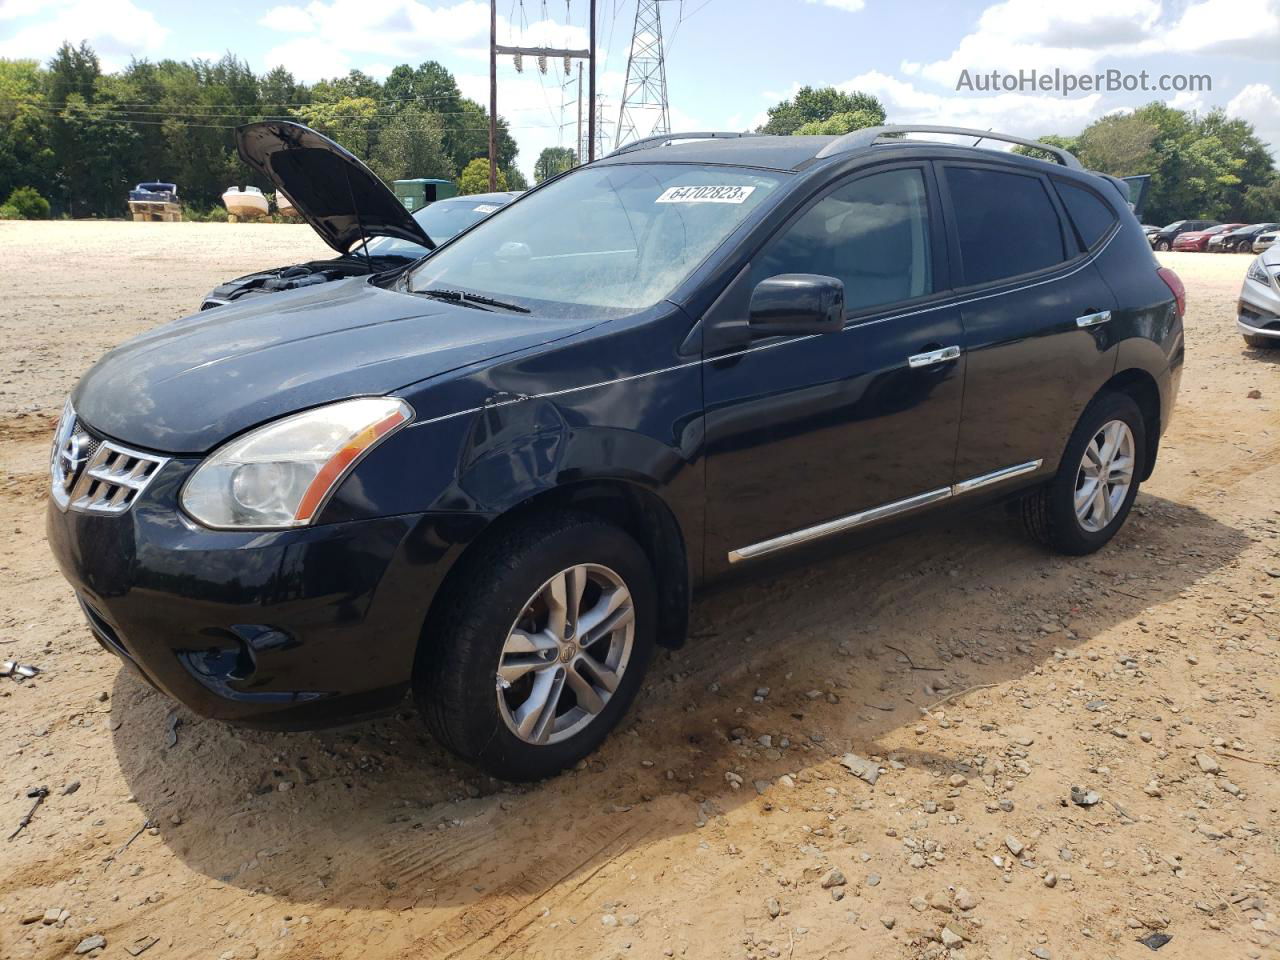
1258 312
1264 241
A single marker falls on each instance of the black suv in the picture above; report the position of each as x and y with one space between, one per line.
1163 238
497 475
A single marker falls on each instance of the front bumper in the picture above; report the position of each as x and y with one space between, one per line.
282 628
1258 310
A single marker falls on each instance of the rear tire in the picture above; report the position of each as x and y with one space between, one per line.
496 651
1070 513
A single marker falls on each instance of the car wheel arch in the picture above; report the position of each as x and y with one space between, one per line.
637 510
1141 386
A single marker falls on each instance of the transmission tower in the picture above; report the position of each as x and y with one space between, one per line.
645 109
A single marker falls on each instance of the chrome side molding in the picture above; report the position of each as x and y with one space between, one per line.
882 512
996 476
798 537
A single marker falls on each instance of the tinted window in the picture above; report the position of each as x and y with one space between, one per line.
873 234
1091 216
1006 221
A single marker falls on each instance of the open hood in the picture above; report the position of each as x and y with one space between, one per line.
337 194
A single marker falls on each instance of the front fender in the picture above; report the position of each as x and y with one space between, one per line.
484 462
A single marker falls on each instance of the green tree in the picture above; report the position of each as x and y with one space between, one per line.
278 91
811 105
1200 166
348 120
412 145
515 179
26 155
840 123
1262 202
475 178
551 161
468 136
28 204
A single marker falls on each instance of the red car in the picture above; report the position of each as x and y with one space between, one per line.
1198 240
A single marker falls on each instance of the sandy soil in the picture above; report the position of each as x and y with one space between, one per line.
711 824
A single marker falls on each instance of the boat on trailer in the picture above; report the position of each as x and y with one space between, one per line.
245 203
155 202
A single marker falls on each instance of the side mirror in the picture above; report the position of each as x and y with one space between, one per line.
797 303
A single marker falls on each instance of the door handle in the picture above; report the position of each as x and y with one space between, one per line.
942 355
1093 319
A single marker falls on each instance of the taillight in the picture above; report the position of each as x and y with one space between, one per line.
1174 283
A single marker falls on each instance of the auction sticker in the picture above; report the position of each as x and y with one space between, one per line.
707 194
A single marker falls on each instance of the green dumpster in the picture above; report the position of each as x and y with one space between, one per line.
415 194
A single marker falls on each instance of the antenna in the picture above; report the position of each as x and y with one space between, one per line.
644 96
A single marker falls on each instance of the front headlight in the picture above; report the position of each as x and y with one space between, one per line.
281 474
1258 271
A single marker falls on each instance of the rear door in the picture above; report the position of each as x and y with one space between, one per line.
811 435
1036 316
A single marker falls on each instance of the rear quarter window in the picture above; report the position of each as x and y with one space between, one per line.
1091 216
1006 222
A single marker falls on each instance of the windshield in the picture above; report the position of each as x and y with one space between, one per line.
440 221
618 238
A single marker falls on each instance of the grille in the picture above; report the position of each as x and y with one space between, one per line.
94 475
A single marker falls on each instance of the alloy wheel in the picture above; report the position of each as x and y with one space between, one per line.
1104 476
565 655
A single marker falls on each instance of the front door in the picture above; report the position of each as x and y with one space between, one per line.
813 435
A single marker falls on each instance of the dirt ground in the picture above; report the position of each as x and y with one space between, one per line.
718 822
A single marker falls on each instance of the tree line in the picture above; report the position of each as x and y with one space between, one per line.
1202 166
82 137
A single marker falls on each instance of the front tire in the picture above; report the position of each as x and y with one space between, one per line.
1163 245
1088 500
541 648
1261 343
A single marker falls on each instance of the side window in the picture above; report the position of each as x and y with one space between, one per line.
872 233
1092 217
1006 221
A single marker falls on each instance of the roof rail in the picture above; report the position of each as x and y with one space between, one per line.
869 135
662 139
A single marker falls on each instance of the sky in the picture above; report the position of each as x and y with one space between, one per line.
727 60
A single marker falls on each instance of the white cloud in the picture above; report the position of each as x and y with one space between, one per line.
288 19
1016 113
1248 28
1025 34
10 9
1077 37
853 6
116 29
1259 105
1187 100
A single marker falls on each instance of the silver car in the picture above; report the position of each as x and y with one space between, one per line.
1265 241
1258 312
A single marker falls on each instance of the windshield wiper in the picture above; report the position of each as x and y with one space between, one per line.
473 299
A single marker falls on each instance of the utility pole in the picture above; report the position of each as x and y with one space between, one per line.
493 95
543 55
591 120
577 144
